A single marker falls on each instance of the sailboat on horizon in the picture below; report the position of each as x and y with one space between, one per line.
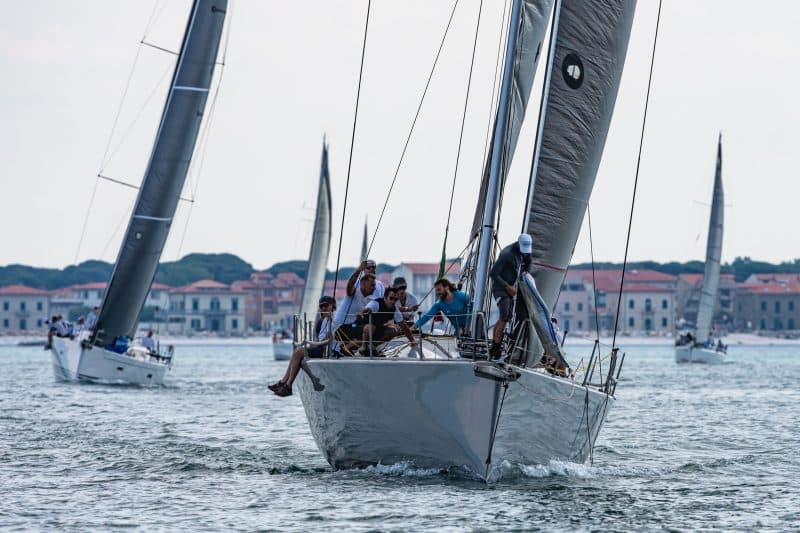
317 261
701 346
106 354
442 402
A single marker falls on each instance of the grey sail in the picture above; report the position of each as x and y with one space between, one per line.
320 244
708 294
531 33
584 71
166 172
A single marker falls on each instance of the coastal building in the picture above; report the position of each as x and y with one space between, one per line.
23 309
421 277
769 306
574 309
687 300
206 306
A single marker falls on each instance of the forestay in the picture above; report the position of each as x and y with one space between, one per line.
708 295
320 243
166 172
591 40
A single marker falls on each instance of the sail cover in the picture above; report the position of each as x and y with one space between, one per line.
166 172
586 64
708 294
320 244
533 26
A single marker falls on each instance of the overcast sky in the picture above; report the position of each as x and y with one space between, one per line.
291 77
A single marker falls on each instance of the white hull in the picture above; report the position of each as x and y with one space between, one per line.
282 350
73 363
438 414
690 354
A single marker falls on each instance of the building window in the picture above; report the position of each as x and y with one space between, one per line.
664 322
22 307
762 324
778 324
195 323
664 304
195 304
580 307
777 307
790 323
790 303
566 307
648 305
601 299
648 324
215 304
23 324
763 306
5 322
5 306
234 324
580 325
631 322
235 305
39 306
630 304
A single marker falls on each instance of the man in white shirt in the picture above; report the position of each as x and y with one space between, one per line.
149 342
91 318
352 303
407 302
369 266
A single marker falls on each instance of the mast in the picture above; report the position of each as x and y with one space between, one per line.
708 294
320 243
163 180
491 202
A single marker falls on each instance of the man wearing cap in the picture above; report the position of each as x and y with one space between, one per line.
513 259
368 266
407 302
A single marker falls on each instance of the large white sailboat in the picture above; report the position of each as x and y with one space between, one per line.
105 354
444 403
700 346
317 260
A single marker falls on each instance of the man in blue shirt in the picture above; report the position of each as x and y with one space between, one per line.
453 303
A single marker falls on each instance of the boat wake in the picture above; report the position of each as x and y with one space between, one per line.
509 471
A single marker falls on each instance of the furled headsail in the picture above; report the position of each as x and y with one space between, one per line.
166 172
320 243
586 62
708 294
535 15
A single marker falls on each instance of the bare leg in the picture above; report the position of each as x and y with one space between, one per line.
294 365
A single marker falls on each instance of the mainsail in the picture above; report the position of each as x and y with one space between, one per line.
586 61
320 243
166 172
708 294
531 32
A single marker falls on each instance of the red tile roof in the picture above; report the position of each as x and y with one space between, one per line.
780 277
206 286
697 279
643 287
609 280
771 288
100 285
21 290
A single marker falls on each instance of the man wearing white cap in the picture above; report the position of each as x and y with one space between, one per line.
504 275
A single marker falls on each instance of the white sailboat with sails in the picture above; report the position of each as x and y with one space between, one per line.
701 346
105 354
317 260
443 403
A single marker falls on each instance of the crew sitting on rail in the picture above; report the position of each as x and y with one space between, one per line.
148 342
407 302
453 303
375 318
323 329
344 321
59 328
512 261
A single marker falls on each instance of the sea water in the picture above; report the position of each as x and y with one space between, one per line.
685 447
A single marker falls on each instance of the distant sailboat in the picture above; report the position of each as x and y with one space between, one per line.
437 405
701 347
317 258
105 355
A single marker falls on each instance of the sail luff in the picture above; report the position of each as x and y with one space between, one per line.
708 293
165 175
320 243
586 67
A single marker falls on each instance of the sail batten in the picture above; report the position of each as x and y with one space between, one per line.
320 243
584 72
708 293
165 175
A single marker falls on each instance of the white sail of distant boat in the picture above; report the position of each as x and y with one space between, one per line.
105 355
701 346
317 257
444 403
364 243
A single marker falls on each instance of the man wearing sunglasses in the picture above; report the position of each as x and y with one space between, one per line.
375 319
368 266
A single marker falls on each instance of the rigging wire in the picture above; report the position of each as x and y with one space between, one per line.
411 131
352 144
461 134
636 178
594 281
